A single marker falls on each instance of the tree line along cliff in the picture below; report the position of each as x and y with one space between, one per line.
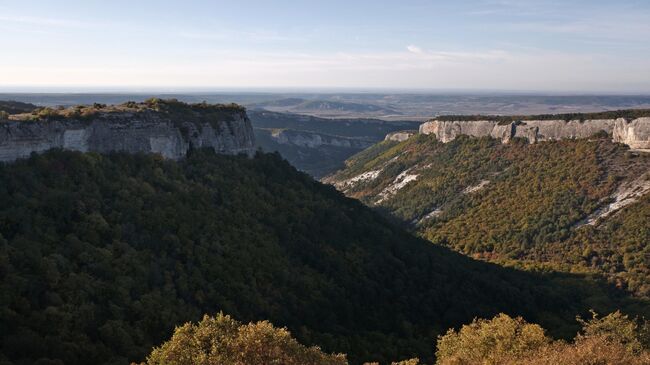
168 127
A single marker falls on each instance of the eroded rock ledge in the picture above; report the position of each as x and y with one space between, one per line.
315 140
169 128
634 133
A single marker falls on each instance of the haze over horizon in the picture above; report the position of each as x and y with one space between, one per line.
533 46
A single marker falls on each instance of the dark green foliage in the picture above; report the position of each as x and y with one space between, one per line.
101 256
619 246
198 112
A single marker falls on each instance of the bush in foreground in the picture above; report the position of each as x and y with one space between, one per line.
222 340
612 340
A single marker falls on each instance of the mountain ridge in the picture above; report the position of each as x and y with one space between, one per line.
634 133
168 127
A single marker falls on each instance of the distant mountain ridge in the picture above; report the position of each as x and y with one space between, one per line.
15 107
324 107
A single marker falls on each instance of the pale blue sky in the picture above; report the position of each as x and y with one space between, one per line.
599 46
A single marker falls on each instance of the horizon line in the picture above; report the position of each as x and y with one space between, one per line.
99 89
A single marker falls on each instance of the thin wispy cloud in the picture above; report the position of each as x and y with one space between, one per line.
258 36
605 30
414 49
39 21
586 19
481 43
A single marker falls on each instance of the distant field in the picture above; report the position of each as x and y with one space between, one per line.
387 106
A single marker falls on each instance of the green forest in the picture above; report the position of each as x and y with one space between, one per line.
517 204
101 256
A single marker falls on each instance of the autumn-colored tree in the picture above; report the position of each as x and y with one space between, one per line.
614 339
222 340
597 350
489 341
414 361
611 340
616 327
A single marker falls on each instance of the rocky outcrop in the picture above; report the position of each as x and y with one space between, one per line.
635 133
147 131
399 136
628 192
315 140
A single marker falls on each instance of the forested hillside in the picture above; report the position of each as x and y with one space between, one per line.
102 255
571 205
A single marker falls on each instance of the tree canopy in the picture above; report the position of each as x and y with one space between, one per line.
101 256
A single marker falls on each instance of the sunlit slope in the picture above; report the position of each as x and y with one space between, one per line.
517 202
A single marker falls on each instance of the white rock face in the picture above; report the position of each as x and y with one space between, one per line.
432 214
399 136
148 132
477 187
626 194
366 176
635 134
400 182
315 140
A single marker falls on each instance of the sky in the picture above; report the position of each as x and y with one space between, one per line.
517 45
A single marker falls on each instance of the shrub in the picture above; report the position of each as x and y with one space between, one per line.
47 113
221 340
595 350
612 340
601 134
489 341
414 361
616 327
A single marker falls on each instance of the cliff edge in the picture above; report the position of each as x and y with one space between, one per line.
168 127
633 132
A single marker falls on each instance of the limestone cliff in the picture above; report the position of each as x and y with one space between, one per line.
634 133
315 140
399 136
167 128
